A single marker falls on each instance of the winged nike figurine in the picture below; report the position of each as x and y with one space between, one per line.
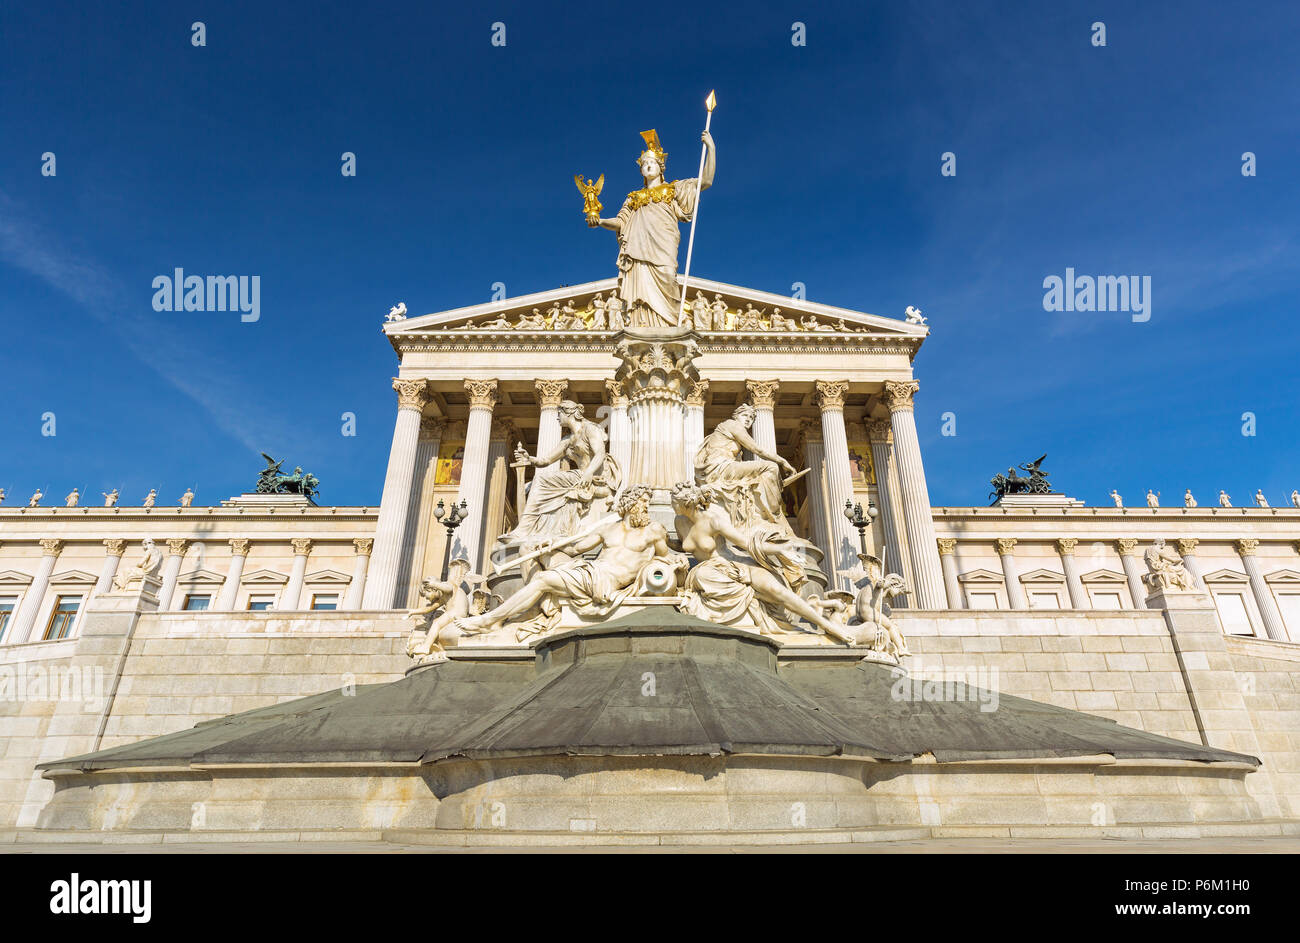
590 205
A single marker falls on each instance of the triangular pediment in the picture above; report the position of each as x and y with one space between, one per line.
1104 576
265 578
1226 576
504 316
201 576
1283 576
328 576
980 576
74 576
1042 576
14 578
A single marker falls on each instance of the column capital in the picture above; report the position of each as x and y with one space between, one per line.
550 392
1006 545
176 546
1126 546
1247 546
762 393
830 394
301 546
810 430
50 546
879 430
482 393
1187 545
616 394
1066 545
239 546
946 545
114 547
363 545
697 393
411 394
899 394
432 427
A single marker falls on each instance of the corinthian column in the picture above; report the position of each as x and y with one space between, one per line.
1263 596
620 432
415 529
35 594
113 550
1126 546
762 394
694 436
839 479
293 592
473 476
230 588
502 444
176 547
1187 550
881 437
1078 597
918 519
814 459
360 563
381 588
656 373
947 546
549 394
1011 573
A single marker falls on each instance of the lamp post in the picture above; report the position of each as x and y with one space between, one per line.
454 517
860 519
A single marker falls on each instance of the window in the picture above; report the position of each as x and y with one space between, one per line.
1232 610
61 619
983 600
324 601
1106 599
7 604
260 603
1288 603
1044 600
195 603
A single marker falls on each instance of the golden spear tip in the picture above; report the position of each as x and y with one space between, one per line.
712 101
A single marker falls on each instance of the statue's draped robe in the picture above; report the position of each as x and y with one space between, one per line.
647 249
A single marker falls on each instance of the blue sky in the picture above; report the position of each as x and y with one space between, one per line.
225 160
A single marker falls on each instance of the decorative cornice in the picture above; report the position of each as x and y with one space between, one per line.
550 392
50 546
899 394
1006 545
301 546
114 547
411 394
879 430
363 545
762 393
1065 546
1247 546
482 393
1187 545
239 546
697 393
615 393
1126 546
176 546
830 394
947 545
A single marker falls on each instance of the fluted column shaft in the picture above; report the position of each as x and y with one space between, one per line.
839 480
498 479
891 512
381 588
693 436
814 459
473 476
1263 596
1011 573
918 518
360 564
1187 550
35 595
549 394
415 528
230 588
620 429
1132 572
113 550
176 548
1073 585
762 394
948 560
292 598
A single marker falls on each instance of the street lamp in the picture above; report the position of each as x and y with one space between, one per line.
454 517
861 520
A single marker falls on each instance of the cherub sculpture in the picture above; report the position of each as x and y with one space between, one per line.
429 633
876 629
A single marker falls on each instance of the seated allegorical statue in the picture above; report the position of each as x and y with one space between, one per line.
749 490
591 587
753 573
1165 569
147 566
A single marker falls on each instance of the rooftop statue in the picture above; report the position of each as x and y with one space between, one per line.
271 481
1034 483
